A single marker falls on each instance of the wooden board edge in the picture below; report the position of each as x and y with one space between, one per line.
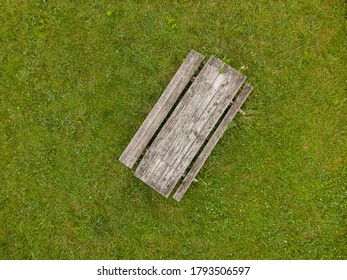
127 156
212 142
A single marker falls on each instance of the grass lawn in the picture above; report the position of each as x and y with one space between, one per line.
77 79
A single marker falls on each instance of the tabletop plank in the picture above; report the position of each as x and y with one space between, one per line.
169 125
198 134
212 143
189 125
176 130
161 108
156 151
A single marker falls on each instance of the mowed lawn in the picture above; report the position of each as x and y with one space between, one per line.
77 79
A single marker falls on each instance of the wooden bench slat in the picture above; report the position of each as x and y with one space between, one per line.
190 118
172 121
198 136
191 129
212 142
191 122
161 108
228 93
199 92
209 101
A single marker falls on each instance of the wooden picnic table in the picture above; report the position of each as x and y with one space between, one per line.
187 126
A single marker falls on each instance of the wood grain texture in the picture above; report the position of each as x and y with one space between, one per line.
188 127
161 108
172 148
196 139
172 121
200 89
185 131
212 142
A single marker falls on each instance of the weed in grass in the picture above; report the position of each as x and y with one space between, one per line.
109 13
171 22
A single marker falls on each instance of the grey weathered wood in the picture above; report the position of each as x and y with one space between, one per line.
203 110
201 97
179 140
212 142
199 133
191 129
144 164
172 155
171 148
227 93
161 108
189 151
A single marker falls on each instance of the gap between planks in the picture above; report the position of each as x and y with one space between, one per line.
192 107
161 108
212 142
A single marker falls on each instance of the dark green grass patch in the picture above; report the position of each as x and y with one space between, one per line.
78 78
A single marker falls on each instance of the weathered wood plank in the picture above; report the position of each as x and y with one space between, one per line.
190 115
161 108
161 165
212 142
205 107
196 137
191 129
211 115
172 121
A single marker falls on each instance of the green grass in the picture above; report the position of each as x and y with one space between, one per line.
77 78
